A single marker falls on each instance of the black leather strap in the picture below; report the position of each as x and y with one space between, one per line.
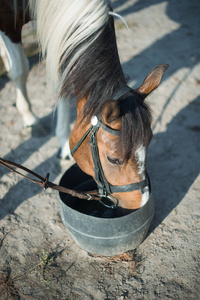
102 183
129 187
81 141
110 130
123 91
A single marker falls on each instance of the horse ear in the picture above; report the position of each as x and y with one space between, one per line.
110 111
152 81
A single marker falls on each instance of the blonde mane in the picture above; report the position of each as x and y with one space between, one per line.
64 25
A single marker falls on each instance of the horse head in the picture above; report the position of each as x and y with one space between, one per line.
123 134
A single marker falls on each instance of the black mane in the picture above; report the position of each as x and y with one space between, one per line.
97 75
136 124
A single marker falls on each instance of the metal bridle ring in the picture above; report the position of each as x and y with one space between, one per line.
113 199
89 197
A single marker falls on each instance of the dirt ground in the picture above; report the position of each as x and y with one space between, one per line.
38 257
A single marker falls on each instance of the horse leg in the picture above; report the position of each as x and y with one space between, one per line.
17 66
63 130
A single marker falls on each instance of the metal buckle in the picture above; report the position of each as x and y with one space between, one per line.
113 199
89 197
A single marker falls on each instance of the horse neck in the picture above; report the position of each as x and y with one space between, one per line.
82 155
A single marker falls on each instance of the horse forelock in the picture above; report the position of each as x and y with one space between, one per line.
135 125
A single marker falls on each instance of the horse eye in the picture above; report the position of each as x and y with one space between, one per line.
115 161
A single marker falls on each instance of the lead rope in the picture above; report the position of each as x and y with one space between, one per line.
45 183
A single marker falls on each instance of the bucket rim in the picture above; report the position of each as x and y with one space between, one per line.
116 219
147 206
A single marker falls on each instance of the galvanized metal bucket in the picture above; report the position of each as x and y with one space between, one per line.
99 230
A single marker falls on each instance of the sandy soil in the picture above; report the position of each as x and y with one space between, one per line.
38 257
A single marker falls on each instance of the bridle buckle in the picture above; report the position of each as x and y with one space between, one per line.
114 201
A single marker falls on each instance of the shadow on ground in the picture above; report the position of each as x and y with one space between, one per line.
174 160
15 195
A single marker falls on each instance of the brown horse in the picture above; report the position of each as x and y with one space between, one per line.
113 127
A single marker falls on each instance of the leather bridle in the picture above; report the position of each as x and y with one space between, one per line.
104 187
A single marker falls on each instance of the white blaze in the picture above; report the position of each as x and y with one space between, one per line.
140 155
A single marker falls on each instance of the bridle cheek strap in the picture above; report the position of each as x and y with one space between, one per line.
102 183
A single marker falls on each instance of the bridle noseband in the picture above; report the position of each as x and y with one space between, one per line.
104 187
